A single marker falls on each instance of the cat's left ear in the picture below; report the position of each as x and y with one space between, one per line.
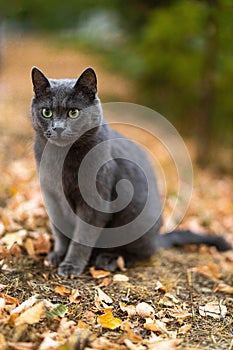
87 83
39 81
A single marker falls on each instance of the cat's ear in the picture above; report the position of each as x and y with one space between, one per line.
87 83
39 81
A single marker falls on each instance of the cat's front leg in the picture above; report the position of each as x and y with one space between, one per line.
82 244
61 244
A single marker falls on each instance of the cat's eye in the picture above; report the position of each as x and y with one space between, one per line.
73 113
47 113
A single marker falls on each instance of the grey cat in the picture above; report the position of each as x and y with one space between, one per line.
68 122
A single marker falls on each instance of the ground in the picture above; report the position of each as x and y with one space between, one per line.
180 299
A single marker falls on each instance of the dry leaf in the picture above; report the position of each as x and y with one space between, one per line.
211 270
42 245
224 288
120 278
132 346
104 344
107 320
213 309
75 297
32 315
160 287
184 329
145 310
21 346
29 247
98 273
3 344
159 344
105 282
25 305
62 290
130 309
104 297
10 300
155 326
130 334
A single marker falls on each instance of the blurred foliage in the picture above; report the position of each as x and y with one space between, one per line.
179 53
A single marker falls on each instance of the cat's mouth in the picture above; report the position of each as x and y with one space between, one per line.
60 141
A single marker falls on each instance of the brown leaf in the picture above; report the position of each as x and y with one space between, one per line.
211 270
10 300
184 329
29 247
160 287
98 273
42 244
31 315
75 297
62 290
224 288
21 346
130 309
107 320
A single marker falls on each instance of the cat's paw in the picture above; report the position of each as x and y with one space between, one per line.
55 258
106 261
68 269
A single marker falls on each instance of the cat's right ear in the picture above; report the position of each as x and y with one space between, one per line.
39 81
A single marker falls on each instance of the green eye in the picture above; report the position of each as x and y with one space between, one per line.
47 113
73 113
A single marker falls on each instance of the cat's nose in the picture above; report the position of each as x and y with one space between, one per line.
58 130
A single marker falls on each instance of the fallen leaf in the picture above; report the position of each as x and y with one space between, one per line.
160 344
130 309
31 315
62 290
29 247
213 309
42 245
75 297
145 310
105 282
98 273
10 300
184 329
58 310
3 344
25 305
104 297
120 278
211 270
160 287
107 320
224 288
21 346
132 346
105 344
155 326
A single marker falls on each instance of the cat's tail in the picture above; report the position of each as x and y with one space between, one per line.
182 237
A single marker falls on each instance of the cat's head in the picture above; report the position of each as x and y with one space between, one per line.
64 109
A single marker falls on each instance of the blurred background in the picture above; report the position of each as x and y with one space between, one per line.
174 56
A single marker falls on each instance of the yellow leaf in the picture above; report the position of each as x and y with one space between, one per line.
107 320
32 315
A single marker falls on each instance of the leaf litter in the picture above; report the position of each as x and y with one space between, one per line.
181 299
